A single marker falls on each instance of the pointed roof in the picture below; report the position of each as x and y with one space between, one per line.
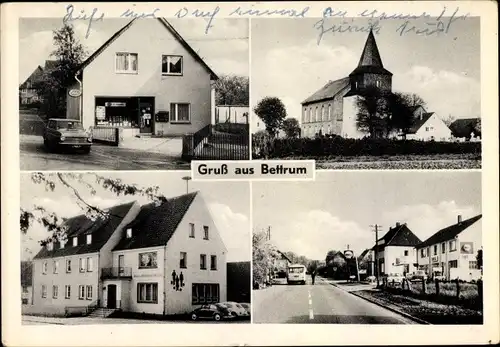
35 76
400 235
328 91
464 127
450 232
155 225
419 122
370 61
169 27
80 226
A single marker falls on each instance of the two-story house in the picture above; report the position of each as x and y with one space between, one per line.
395 251
159 259
428 126
158 85
452 251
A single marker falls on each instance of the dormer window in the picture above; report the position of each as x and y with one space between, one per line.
129 233
75 241
62 243
89 239
50 246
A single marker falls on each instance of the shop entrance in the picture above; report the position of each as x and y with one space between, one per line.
146 111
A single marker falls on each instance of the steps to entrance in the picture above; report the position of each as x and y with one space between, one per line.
102 312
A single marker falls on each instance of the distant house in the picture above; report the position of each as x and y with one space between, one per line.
467 129
428 127
28 94
158 259
366 263
395 251
26 282
154 86
238 281
452 251
281 264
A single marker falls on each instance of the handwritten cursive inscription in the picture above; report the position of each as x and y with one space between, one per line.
70 16
197 13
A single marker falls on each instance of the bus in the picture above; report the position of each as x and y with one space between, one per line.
296 273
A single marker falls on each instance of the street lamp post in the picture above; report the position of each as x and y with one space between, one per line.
187 179
377 269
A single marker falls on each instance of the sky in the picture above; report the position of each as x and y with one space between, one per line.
444 69
228 202
225 48
338 208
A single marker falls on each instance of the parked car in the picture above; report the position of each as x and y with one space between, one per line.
395 278
235 309
417 275
66 133
216 312
247 307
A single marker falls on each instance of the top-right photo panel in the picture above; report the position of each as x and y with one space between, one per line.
368 92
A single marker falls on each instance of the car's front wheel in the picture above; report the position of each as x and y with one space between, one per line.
194 316
217 317
86 150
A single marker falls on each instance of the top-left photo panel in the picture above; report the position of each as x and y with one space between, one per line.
141 94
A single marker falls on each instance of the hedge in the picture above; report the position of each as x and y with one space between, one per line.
338 146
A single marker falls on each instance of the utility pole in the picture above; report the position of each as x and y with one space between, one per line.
269 233
187 179
377 269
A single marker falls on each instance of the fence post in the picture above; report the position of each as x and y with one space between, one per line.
424 289
458 287
117 136
436 281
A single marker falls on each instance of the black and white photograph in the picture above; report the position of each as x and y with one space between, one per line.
135 248
368 93
369 248
132 94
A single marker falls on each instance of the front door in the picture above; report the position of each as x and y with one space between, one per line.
111 295
146 111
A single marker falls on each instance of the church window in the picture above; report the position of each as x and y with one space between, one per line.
356 85
329 111
378 83
316 115
323 113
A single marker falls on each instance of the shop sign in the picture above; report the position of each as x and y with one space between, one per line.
115 104
147 116
75 93
348 254
100 112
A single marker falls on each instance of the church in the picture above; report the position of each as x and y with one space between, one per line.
331 110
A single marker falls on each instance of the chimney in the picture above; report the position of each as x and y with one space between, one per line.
398 224
459 219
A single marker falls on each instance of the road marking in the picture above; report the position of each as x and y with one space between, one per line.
311 313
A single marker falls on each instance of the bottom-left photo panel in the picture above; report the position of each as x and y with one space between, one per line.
133 248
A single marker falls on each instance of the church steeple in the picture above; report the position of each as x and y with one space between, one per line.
370 72
370 55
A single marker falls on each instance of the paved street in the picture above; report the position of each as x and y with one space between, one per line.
34 156
321 303
34 320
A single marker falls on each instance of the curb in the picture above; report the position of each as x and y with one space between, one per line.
404 314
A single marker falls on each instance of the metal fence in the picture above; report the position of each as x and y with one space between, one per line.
210 144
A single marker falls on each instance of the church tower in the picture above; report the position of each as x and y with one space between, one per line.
370 72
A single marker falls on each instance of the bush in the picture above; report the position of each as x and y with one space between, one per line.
338 146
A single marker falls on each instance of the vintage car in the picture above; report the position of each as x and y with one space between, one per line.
247 307
216 312
67 133
417 275
235 309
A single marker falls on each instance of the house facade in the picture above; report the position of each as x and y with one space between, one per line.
26 282
452 251
396 252
332 110
157 86
27 92
164 259
428 127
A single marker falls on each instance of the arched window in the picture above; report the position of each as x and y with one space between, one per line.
316 114
304 119
329 111
310 114
322 112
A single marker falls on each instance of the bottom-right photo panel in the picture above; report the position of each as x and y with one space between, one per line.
399 247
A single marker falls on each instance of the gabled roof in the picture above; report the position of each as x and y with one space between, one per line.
449 233
80 226
419 122
370 61
168 26
34 77
464 127
26 273
328 91
283 255
400 235
155 225
50 64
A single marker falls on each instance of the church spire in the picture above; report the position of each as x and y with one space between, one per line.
370 55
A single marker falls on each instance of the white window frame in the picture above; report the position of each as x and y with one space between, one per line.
50 246
185 260
213 264
68 265
143 300
172 73
62 244
203 261
45 266
89 239
82 264
55 267
206 232
90 264
75 241
81 292
67 291
174 118
44 291
192 231
129 233
454 243
130 71
88 293
55 291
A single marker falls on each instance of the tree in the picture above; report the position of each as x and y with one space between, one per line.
53 223
479 259
272 112
263 255
402 116
312 266
372 113
291 127
69 54
449 120
232 90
